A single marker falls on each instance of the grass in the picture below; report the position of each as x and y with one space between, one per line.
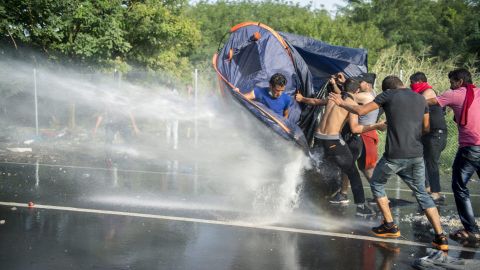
393 61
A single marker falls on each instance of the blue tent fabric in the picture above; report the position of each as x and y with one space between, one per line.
324 59
246 62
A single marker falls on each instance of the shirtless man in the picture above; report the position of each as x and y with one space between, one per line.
363 146
328 136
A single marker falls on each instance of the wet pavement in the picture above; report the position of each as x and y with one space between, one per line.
90 214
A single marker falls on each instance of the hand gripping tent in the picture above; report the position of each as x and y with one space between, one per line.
254 52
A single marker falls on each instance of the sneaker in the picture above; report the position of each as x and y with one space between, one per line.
339 198
440 242
364 211
385 231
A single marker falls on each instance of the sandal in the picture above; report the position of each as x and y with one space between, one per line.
473 237
459 235
464 235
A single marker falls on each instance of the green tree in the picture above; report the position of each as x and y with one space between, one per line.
160 38
82 31
448 27
215 19
151 34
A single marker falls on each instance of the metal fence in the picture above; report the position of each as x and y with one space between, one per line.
448 154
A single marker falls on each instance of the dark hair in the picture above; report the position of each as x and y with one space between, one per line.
278 79
391 82
351 85
418 77
460 74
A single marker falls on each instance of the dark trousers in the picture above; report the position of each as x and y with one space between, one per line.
433 145
467 161
338 151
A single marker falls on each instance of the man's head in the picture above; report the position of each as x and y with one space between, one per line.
352 86
459 77
277 84
366 80
418 77
392 82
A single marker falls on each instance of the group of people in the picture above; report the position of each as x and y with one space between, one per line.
416 136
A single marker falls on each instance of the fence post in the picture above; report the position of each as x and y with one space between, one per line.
36 99
195 102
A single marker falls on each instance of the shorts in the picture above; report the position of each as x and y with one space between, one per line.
369 156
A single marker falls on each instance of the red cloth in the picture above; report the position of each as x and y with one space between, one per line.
469 96
370 142
419 87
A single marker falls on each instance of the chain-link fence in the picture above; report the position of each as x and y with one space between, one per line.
448 154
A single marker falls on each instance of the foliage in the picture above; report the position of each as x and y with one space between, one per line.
215 19
169 36
403 63
448 27
105 34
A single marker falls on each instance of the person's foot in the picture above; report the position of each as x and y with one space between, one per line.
364 210
387 230
440 242
464 236
339 198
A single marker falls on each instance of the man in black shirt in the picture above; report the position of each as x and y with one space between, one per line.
435 141
407 119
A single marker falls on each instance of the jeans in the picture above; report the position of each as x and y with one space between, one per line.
433 145
467 161
412 172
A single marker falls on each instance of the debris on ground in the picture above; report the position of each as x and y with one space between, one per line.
437 259
448 221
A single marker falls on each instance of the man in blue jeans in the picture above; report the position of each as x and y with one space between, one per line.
464 99
407 119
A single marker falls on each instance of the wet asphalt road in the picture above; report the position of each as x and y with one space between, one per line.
103 217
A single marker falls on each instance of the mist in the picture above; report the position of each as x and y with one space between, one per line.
195 153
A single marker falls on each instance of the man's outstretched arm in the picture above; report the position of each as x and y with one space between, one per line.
310 101
249 95
356 109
